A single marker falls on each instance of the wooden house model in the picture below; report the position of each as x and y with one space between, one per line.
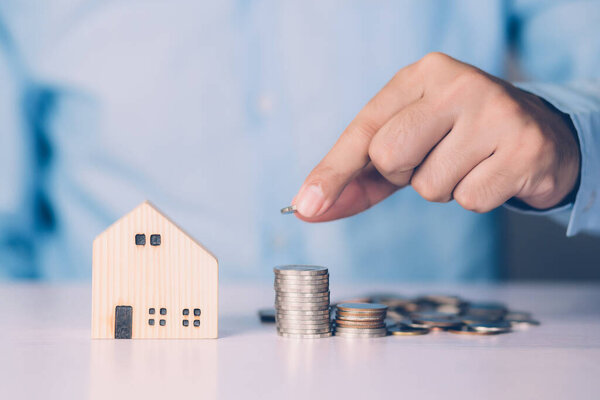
150 280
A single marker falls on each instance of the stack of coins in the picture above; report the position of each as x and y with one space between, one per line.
360 320
302 301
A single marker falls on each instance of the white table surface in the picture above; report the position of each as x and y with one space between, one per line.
46 352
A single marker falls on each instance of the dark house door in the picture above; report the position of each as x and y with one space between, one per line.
123 318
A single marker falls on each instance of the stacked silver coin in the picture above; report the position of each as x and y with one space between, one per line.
302 301
360 320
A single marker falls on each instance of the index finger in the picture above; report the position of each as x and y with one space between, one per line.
350 154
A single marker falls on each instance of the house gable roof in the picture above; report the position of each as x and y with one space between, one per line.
153 209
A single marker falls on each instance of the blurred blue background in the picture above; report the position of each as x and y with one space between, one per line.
216 111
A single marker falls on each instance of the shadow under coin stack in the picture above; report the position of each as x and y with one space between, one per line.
302 301
360 320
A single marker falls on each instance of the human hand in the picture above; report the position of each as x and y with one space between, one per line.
452 132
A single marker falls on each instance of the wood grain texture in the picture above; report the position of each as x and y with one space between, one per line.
178 274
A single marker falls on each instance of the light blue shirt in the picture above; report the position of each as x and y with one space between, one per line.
216 112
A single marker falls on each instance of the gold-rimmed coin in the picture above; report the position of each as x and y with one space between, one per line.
356 324
359 317
360 330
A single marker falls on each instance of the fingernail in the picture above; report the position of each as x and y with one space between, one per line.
310 201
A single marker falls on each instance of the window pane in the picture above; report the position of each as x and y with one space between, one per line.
155 240
140 239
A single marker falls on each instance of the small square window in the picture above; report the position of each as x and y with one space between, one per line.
140 239
151 310
186 311
155 240
151 321
162 322
197 312
196 322
163 311
186 322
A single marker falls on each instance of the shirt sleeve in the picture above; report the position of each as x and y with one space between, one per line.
562 66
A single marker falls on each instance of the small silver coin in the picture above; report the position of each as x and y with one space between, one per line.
302 278
360 335
302 312
305 330
301 288
309 305
285 325
478 319
304 336
301 323
289 209
492 327
435 319
361 307
403 330
302 295
282 297
343 317
304 321
315 289
285 308
302 306
360 330
303 282
352 326
522 323
300 270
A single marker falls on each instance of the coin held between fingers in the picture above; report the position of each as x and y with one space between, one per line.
289 209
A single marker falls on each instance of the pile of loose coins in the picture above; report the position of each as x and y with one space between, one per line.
423 314
360 320
302 310
302 301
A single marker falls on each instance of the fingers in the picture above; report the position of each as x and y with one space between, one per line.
350 154
364 191
406 139
450 161
489 185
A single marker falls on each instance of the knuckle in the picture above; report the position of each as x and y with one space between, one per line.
469 200
433 59
428 189
383 159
